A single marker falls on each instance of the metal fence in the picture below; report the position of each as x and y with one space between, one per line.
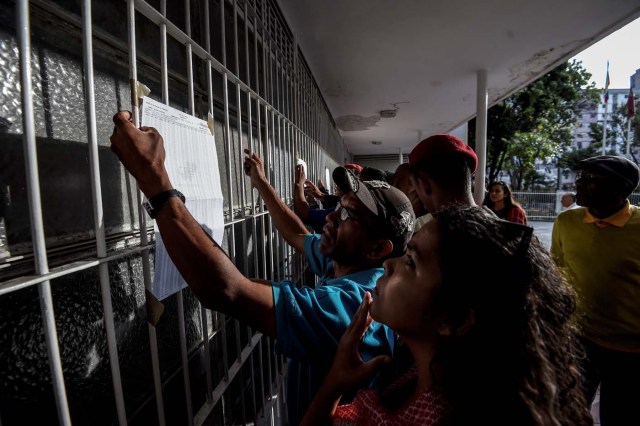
545 206
76 250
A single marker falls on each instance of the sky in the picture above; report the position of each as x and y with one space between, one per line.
621 49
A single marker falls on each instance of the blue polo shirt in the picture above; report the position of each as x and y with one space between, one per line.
310 322
317 218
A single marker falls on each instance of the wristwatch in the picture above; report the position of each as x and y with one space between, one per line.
153 204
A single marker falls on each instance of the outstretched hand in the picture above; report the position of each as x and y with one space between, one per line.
349 370
254 167
300 177
141 151
311 189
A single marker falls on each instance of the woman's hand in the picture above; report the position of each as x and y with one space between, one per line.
349 370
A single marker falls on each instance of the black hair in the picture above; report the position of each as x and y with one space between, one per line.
520 357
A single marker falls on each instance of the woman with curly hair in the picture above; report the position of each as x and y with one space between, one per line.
495 348
500 200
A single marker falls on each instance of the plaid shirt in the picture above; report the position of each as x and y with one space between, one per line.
517 214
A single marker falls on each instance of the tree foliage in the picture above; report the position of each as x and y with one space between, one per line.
535 123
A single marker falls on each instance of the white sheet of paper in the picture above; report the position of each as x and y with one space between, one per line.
192 164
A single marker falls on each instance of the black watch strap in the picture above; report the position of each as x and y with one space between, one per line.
153 204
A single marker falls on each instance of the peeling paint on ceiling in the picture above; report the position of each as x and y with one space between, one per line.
355 123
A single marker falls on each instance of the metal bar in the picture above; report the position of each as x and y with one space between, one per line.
240 183
203 311
227 142
142 219
35 207
184 357
181 322
153 339
101 247
222 386
250 145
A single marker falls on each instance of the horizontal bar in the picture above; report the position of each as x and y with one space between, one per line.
29 280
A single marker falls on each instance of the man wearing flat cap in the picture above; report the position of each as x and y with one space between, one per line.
598 246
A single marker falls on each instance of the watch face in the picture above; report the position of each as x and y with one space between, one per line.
147 206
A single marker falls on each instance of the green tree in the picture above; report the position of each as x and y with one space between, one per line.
543 113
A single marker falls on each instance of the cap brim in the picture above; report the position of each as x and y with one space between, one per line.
348 182
345 180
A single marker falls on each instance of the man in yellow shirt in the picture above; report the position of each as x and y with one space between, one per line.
598 246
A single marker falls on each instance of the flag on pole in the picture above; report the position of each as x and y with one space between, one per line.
631 104
606 86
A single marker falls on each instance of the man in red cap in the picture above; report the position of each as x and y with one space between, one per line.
441 169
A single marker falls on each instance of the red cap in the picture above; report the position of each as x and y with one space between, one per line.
352 166
441 146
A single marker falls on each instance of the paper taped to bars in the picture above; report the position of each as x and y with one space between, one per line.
192 164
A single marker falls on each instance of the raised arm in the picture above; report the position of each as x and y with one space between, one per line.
285 220
202 263
300 204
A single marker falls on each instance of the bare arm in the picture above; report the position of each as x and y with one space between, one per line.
203 264
300 205
314 191
285 220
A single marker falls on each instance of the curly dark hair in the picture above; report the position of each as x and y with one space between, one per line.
518 362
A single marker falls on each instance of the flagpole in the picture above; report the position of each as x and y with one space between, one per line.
604 132
606 101
628 135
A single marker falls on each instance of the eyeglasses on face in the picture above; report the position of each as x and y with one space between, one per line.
344 214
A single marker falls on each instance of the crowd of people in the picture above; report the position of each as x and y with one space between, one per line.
407 324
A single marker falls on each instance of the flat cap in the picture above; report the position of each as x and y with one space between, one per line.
616 167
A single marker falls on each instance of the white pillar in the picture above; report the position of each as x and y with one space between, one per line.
481 135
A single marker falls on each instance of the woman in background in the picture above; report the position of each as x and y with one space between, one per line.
500 200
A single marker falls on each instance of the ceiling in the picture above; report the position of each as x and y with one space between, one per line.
423 56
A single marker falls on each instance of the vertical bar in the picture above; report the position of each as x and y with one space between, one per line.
481 135
184 358
142 219
227 134
101 248
37 228
267 143
252 211
203 311
242 200
181 322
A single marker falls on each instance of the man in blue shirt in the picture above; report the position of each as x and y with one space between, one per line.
372 223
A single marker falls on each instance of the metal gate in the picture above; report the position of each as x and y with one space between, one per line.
76 251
